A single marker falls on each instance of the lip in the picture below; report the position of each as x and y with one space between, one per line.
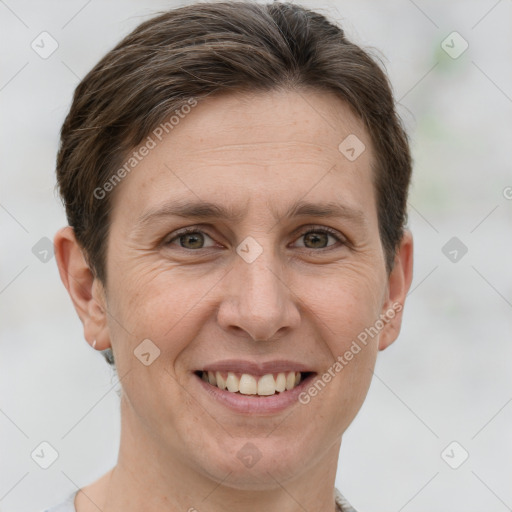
254 368
253 404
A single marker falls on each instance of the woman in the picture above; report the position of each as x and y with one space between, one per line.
235 179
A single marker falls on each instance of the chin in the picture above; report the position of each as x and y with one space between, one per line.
257 464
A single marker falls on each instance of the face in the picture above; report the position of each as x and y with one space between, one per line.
259 286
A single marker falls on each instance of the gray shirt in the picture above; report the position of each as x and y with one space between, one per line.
69 505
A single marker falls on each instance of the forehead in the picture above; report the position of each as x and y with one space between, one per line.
261 148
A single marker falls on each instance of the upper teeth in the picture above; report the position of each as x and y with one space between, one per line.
248 384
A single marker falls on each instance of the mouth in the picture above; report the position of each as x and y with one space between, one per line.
254 385
262 388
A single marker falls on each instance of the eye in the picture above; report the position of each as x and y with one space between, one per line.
191 238
314 238
318 238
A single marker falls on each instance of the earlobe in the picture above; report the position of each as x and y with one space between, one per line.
399 282
84 289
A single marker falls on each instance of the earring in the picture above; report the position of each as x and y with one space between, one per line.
94 344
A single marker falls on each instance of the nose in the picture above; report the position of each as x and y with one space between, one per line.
257 300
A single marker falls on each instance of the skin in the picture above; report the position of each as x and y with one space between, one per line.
300 301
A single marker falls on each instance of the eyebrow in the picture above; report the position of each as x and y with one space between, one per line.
202 210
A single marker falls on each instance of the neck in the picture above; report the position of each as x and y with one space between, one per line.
148 477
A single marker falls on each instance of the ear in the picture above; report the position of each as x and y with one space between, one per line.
399 282
85 290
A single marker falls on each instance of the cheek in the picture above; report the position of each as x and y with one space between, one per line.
346 301
344 310
160 303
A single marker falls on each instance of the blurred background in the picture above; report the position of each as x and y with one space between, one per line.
435 431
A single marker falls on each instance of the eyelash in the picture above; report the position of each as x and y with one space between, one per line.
323 229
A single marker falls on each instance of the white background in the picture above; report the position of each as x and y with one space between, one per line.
447 378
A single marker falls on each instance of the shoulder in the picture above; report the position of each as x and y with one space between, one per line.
342 502
66 506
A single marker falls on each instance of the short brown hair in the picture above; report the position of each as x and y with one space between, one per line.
205 48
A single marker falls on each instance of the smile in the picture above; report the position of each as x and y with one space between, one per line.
248 384
252 387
